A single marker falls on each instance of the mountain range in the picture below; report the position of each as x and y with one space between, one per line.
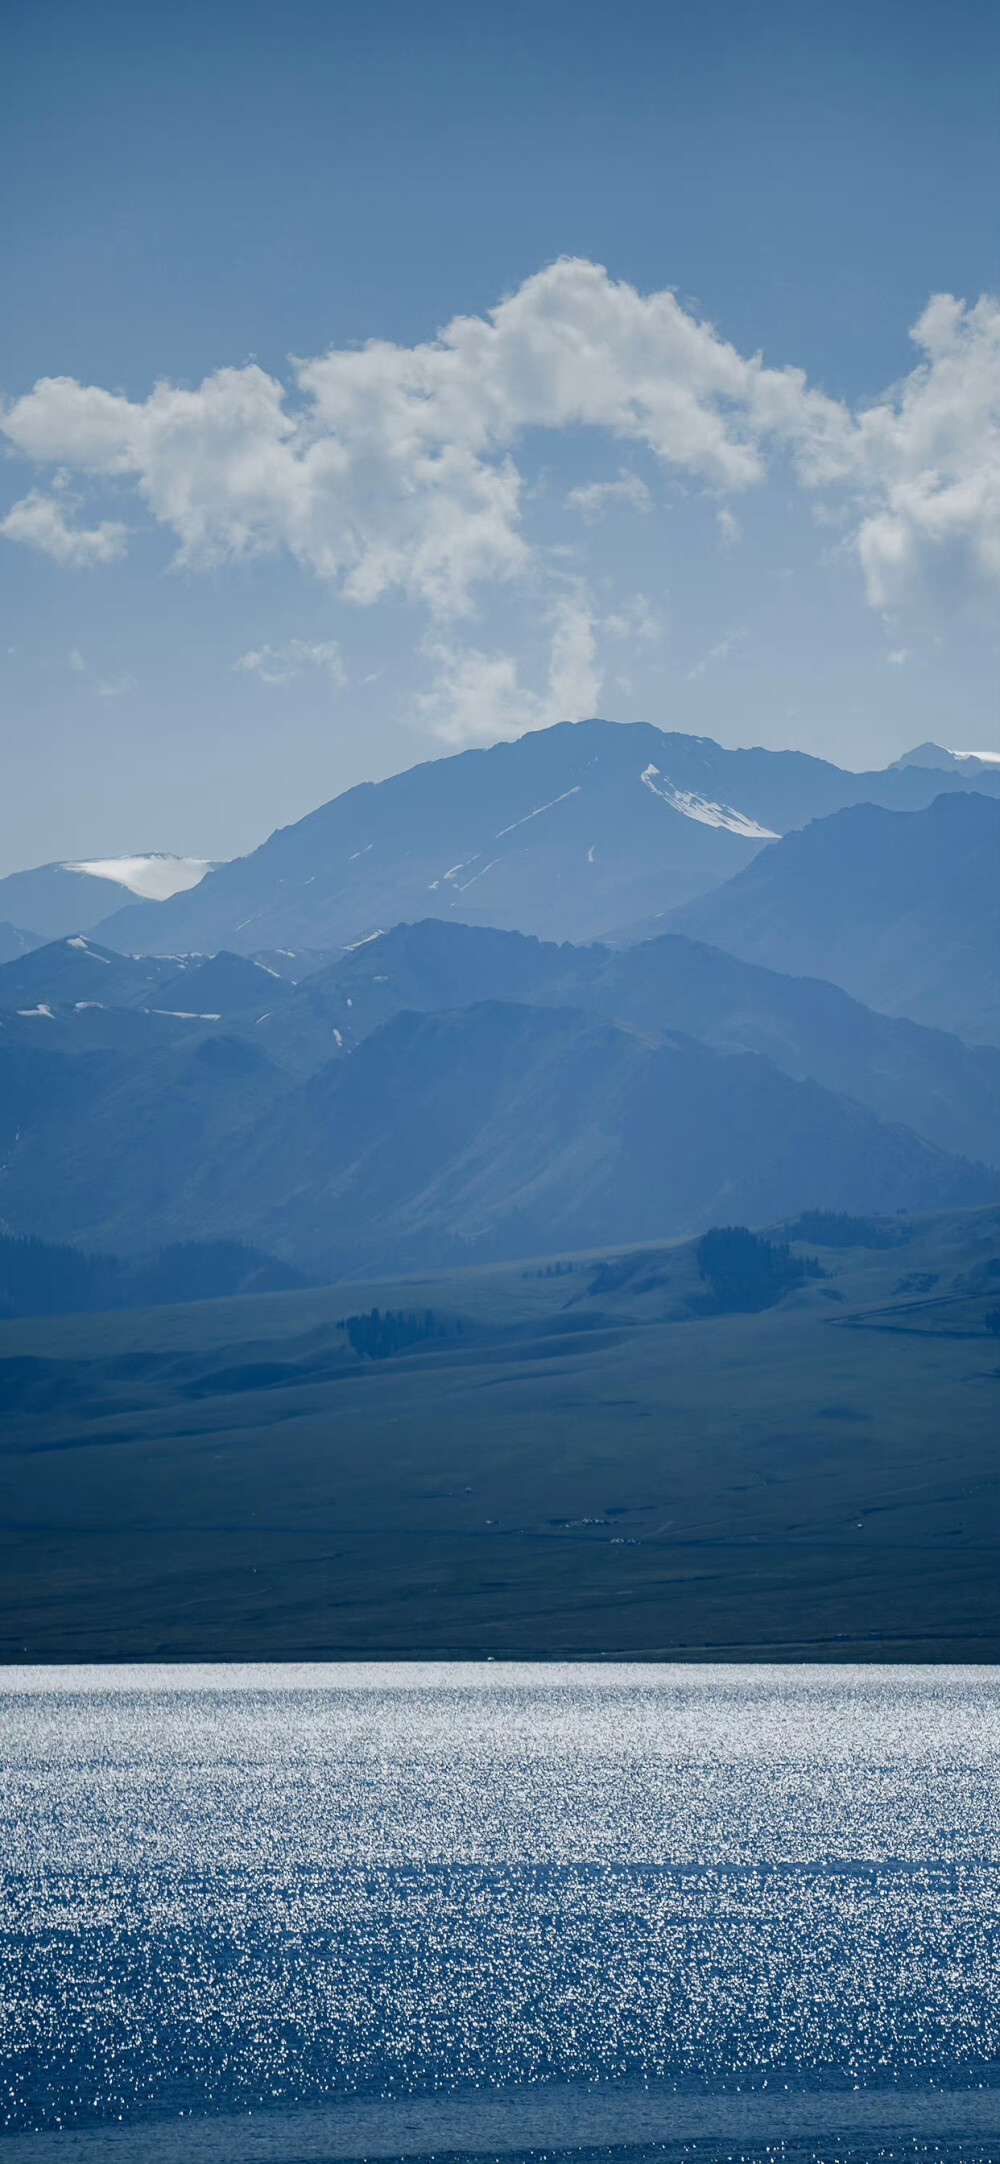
945 1090
567 833
447 1093
439 1091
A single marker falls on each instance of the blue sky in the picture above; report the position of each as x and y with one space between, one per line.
218 613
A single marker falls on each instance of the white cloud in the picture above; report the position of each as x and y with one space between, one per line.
729 527
924 461
636 620
392 468
40 522
898 657
479 698
280 664
115 687
598 496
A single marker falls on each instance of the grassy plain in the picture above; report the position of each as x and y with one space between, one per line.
575 1473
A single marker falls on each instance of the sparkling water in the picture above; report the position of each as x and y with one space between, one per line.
331 1911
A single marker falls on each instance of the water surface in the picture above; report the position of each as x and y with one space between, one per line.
347 1911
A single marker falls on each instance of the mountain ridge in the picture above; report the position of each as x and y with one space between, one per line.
563 832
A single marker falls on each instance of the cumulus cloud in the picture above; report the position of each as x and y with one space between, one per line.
40 521
280 664
924 461
393 469
598 496
479 697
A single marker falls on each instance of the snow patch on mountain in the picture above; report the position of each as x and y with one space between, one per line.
91 952
154 878
702 808
539 809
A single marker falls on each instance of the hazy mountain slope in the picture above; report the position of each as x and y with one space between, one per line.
505 1130
947 1091
902 911
15 941
503 1127
105 1137
563 833
37 1278
55 901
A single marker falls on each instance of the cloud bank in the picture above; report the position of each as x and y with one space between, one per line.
394 470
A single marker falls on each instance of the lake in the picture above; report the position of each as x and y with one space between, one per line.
323 1911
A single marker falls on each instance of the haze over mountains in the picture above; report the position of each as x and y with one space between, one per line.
446 1091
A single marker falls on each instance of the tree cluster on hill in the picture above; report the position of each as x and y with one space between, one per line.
745 1272
377 1337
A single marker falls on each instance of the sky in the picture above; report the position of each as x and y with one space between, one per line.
379 380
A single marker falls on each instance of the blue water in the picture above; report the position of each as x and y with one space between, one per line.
290 1913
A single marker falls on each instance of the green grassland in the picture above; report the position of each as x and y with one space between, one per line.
575 1464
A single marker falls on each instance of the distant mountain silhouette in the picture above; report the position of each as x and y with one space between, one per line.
565 833
15 941
970 763
901 910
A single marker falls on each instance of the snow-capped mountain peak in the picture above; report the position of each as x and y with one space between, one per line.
153 878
